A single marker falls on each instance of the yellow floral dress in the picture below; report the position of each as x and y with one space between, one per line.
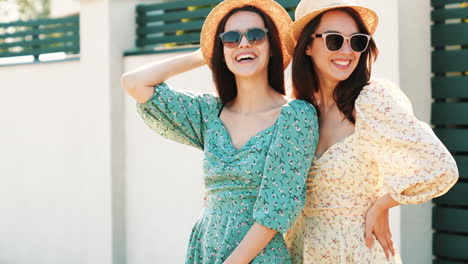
389 152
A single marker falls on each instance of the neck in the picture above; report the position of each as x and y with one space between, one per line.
325 93
254 94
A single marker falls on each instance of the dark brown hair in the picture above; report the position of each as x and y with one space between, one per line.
305 78
225 80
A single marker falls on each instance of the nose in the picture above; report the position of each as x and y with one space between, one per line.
346 47
244 42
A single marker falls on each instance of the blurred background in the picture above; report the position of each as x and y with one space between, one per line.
83 180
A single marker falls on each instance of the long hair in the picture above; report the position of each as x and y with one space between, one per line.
225 80
306 80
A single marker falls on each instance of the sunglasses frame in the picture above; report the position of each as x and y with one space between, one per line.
242 34
324 37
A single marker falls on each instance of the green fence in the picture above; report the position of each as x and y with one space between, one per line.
41 36
176 26
450 117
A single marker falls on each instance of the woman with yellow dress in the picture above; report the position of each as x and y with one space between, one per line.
372 154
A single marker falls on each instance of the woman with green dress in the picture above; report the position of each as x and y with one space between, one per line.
258 145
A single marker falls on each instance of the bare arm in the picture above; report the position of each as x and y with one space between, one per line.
139 83
377 223
254 241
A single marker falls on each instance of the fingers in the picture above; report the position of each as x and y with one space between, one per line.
369 227
380 227
390 245
384 245
389 233
387 223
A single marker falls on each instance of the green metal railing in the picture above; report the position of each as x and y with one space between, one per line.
41 36
450 117
176 26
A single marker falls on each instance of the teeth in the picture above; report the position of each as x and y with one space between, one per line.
342 62
245 56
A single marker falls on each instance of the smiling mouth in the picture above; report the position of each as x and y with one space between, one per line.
245 57
342 62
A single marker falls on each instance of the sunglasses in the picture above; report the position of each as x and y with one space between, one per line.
231 39
335 41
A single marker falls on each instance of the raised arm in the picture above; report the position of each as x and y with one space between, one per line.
140 82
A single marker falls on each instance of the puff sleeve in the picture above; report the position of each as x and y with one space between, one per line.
282 190
179 116
414 164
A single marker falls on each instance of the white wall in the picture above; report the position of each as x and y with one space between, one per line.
415 73
42 178
60 8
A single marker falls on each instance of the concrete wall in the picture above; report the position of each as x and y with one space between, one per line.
41 173
60 8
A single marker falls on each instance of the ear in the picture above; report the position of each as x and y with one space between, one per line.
308 50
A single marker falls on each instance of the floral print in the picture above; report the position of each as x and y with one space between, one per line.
390 152
263 181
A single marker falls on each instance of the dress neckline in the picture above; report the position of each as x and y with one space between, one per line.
248 142
317 158
341 141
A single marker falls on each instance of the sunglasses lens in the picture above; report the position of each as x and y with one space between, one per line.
255 35
231 38
359 43
334 42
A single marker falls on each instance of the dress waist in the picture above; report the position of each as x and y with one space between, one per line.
331 215
230 204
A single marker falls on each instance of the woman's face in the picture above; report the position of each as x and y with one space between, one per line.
334 66
246 59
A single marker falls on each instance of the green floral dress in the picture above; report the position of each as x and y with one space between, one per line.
263 181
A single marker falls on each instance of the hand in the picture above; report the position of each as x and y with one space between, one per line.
377 223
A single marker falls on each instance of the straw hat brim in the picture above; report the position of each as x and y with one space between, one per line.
274 10
369 17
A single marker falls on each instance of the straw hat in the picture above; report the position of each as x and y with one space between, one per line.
274 10
308 9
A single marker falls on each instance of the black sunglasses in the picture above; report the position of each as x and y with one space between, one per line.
231 39
335 41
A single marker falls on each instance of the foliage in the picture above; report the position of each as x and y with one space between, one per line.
32 9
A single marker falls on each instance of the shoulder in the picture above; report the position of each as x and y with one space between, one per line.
381 93
211 100
301 108
301 114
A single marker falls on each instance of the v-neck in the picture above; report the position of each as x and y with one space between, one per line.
248 142
339 142
334 145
